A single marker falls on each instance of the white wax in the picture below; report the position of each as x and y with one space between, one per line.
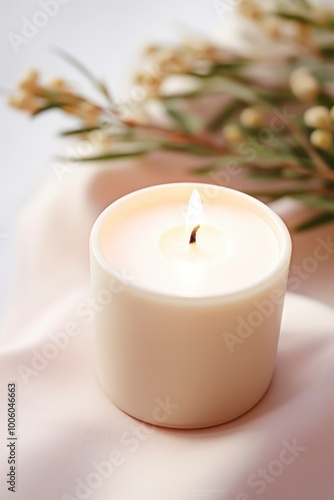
145 238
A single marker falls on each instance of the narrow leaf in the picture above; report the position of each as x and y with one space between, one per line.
327 50
53 105
78 131
84 71
109 156
188 148
275 194
208 169
295 17
266 174
325 99
223 115
231 65
236 89
320 202
184 122
105 91
317 221
183 95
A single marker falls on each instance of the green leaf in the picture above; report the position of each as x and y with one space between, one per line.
307 20
185 122
327 51
219 164
194 149
105 91
320 202
109 156
101 87
235 89
317 221
78 131
53 105
266 174
275 194
178 118
231 65
195 123
208 169
324 99
295 17
183 95
223 115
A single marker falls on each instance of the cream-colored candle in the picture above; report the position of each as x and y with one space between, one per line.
196 276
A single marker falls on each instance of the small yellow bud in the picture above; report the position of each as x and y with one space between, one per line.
170 62
13 101
306 90
304 85
233 134
24 101
251 118
317 117
58 84
249 9
29 80
147 80
138 78
151 50
299 73
322 139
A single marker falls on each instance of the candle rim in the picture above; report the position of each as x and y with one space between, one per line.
284 242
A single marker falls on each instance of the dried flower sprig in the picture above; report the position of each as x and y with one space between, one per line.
275 110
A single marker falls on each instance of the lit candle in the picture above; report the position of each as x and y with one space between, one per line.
198 276
187 244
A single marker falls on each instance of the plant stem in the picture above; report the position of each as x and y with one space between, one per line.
200 140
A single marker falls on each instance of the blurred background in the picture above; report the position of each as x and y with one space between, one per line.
106 35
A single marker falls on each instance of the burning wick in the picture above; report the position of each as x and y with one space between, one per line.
193 234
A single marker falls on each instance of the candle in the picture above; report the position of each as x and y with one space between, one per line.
196 275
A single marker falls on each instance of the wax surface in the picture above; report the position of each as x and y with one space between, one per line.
133 242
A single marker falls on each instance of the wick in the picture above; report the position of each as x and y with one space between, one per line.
193 234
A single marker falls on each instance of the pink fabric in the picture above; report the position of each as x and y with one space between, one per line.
70 434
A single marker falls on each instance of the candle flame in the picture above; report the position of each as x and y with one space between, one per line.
194 215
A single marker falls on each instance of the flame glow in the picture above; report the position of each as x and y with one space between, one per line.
195 210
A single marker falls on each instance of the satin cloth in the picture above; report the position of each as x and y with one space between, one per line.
73 443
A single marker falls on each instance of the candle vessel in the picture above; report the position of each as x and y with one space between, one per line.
191 296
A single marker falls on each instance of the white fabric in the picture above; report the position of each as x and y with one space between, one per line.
66 427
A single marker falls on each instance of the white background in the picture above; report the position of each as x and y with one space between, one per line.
106 36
